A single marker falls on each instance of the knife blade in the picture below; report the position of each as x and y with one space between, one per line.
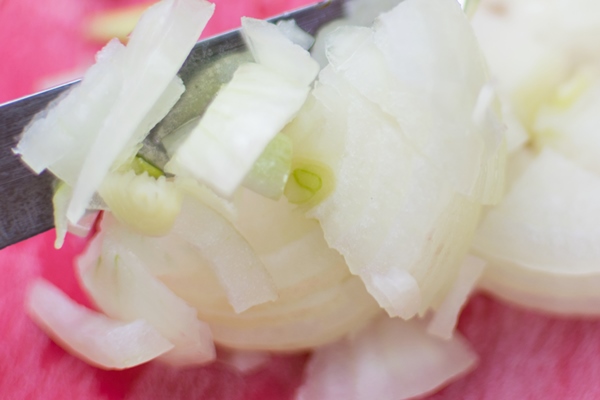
26 198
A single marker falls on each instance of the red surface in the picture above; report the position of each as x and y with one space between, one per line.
523 355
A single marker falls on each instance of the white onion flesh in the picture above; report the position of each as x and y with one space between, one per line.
237 126
248 112
396 216
60 202
101 341
122 288
542 240
147 205
569 124
402 132
155 52
240 272
297 35
445 318
67 128
245 362
318 300
391 359
528 64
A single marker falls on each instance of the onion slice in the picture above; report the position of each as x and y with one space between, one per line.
542 240
119 284
101 341
445 318
156 50
391 359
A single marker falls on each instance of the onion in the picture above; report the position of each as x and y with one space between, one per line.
248 112
63 133
402 221
317 298
569 122
391 359
147 205
122 288
542 240
237 126
272 49
101 122
385 165
528 64
297 35
444 320
101 341
156 50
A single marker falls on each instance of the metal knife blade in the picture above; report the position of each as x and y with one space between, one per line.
26 198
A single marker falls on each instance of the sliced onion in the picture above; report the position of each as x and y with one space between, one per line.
438 71
297 35
391 359
446 316
391 213
248 112
156 50
542 240
318 300
527 63
274 50
240 272
60 202
121 287
69 124
270 172
101 341
237 126
569 122
147 205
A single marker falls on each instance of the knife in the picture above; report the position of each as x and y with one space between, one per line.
26 198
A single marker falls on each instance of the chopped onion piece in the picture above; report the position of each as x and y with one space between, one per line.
115 23
67 127
156 50
318 301
430 73
391 359
445 317
391 213
119 284
236 128
101 341
147 205
272 49
239 270
297 35
542 240
270 172
60 202
248 112
569 123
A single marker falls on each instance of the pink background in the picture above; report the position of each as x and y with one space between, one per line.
523 355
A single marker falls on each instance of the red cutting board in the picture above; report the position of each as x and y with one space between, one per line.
523 355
